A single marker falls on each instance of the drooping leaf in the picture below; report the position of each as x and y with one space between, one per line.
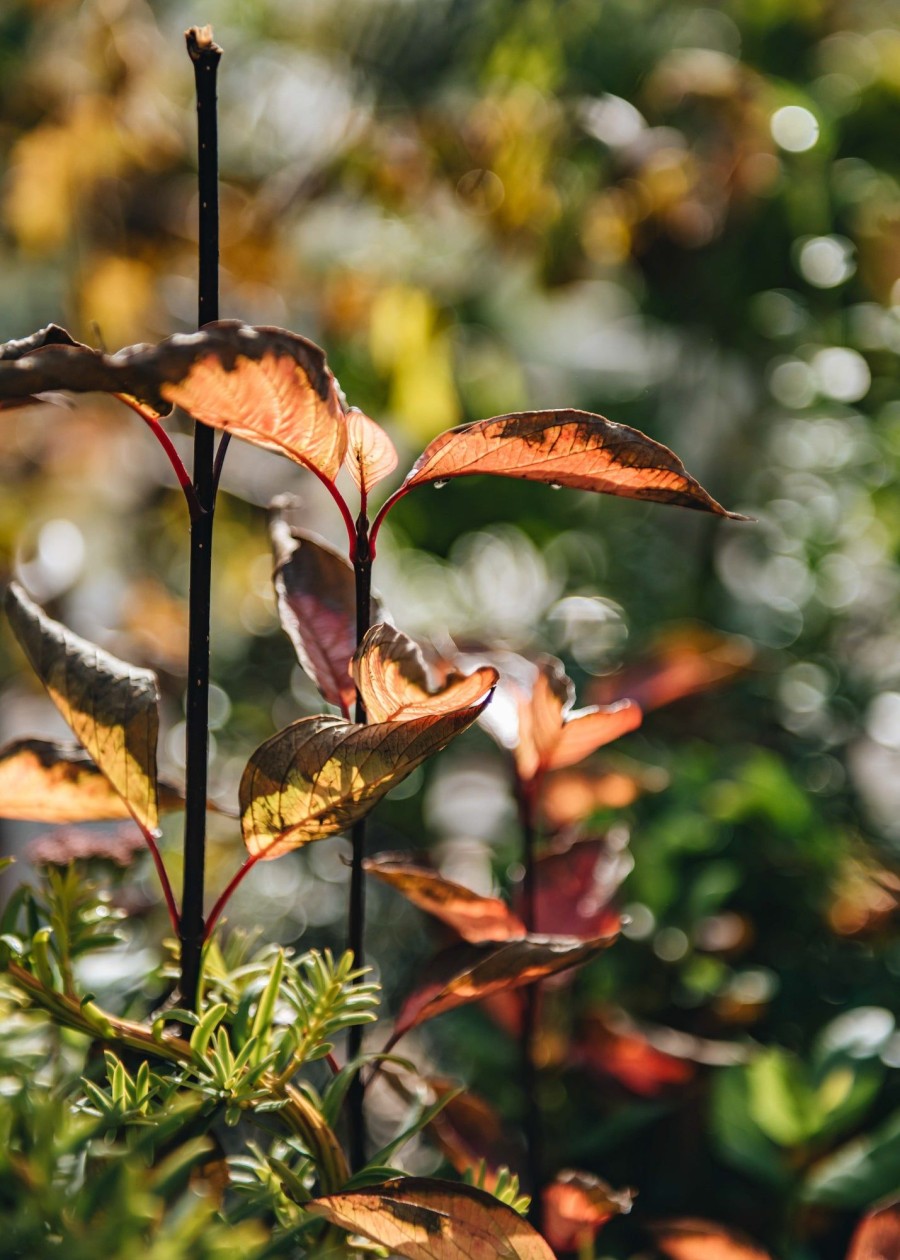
317 606
47 782
467 973
576 1205
703 1240
473 917
425 1219
392 677
319 775
684 661
263 384
877 1236
110 705
371 455
566 448
575 885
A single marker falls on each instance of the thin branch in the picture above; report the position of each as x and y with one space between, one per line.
184 477
171 904
225 897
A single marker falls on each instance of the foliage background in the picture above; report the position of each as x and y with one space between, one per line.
476 208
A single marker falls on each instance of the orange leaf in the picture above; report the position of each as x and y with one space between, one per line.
569 796
566 448
576 1204
371 454
392 677
471 916
319 775
877 1236
426 1219
702 1240
684 661
316 596
588 729
468 973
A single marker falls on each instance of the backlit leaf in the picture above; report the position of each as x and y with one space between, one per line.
473 917
575 885
317 606
703 1240
110 705
57 783
565 448
684 661
425 1219
468 973
570 796
576 1204
263 384
319 775
877 1236
392 677
371 455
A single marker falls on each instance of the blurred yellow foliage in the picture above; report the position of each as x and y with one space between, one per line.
407 345
116 296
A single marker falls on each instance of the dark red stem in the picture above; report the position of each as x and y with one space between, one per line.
171 905
184 478
214 914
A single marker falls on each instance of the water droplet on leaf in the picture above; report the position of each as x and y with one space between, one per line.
554 485
439 485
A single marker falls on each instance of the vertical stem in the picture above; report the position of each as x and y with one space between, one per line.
531 1119
205 56
362 568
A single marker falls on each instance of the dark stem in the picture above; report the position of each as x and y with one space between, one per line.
205 56
531 1119
230 888
362 568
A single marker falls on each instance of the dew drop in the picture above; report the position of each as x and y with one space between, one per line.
439 485
554 485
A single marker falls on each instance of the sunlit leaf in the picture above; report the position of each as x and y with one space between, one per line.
57 783
392 677
317 606
263 384
317 776
468 973
576 1205
877 1236
371 455
685 660
570 796
425 1219
473 917
110 705
703 1240
565 448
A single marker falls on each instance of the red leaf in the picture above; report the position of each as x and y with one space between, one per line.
471 916
877 1236
576 1205
703 1240
684 661
575 885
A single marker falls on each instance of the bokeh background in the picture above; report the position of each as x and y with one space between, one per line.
683 216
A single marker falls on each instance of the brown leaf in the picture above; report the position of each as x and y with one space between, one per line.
685 660
316 596
263 384
574 887
319 775
393 680
426 1219
877 1236
565 448
56 783
371 455
471 916
576 1204
110 705
703 1240
467 973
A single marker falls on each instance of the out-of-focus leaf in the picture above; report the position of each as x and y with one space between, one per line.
317 605
576 1204
425 1219
566 448
392 677
371 455
703 1240
318 775
877 1236
574 887
58 783
627 1056
63 845
552 736
473 917
739 1138
570 796
862 1171
110 705
263 384
685 660
468 973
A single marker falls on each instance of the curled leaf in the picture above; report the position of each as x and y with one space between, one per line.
319 775
565 448
473 917
390 671
110 705
57 783
371 455
576 1205
468 973
316 595
426 1219
703 1240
